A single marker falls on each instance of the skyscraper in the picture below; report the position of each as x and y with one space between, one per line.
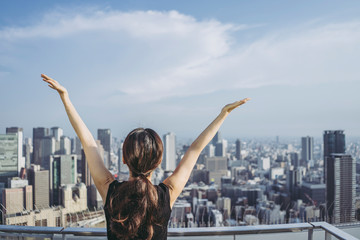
122 168
19 132
38 134
307 149
221 148
238 149
65 145
9 156
104 135
340 174
27 151
47 148
169 159
57 133
334 142
76 146
217 138
39 179
63 170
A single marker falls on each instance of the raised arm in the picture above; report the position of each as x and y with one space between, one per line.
176 182
101 175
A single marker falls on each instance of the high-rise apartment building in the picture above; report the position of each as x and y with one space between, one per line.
307 149
39 179
340 180
38 134
104 135
169 159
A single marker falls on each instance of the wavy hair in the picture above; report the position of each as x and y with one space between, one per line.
133 206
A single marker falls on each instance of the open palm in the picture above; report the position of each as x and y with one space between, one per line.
54 84
229 107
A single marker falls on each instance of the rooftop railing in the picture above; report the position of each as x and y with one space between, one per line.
57 233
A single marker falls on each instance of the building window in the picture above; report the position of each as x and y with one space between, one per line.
44 223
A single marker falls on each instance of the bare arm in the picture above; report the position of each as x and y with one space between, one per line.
176 182
101 175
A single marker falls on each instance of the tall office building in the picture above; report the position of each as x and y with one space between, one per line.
28 151
221 148
104 135
19 132
85 171
122 168
63 170
57 133
39 179
48 148
16 199
76 146
38 134
217 167
238 149
65 145
217 138
334 142
340 174
210 150
9 157
307 149
294 159
169 159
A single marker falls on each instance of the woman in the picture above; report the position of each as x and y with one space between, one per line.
136 209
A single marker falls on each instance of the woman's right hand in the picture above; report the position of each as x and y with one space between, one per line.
54 84
229 107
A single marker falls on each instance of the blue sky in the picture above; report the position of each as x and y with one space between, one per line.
172 65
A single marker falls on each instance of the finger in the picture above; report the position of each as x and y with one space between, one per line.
45 76
51 86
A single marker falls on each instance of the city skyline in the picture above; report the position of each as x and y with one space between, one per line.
172 67
247 182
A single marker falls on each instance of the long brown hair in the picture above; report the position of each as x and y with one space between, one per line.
133 205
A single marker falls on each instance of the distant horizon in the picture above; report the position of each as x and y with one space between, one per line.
188 139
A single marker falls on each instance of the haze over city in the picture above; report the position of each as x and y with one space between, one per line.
172 66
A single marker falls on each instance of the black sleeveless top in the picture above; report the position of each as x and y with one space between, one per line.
160 232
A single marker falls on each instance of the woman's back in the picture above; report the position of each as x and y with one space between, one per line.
136 209
163 214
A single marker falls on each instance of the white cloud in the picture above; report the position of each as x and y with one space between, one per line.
151 55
